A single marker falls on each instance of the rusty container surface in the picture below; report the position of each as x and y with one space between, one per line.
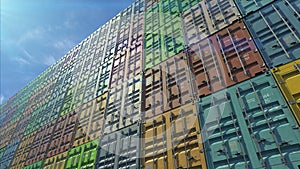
167 86
90 120
39 147
63 136
224 59
22 151
173 140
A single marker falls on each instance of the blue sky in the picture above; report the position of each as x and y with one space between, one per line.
36 33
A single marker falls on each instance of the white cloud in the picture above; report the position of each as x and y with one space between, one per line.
22 61
63 44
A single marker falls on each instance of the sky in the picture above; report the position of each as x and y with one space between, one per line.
36 33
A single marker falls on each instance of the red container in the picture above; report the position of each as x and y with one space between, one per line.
224 59
167 86
40 145
63 136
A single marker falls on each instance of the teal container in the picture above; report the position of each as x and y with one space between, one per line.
276 31
246 7
249 125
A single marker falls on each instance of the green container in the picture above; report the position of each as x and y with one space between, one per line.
37 165
83 156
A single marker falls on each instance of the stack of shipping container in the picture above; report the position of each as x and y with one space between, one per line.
167 84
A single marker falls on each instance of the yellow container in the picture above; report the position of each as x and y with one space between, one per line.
21 153
57 161
173 140
288 79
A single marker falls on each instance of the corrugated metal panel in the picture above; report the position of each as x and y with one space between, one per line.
172 140
63 134
249 126
83 156
288 79
124 105
163 32
90 120
22 151
37 165
120 149
208 17
5 134
8 154
167 86
246 7
56 162
224 59
20 128
276 31
39 147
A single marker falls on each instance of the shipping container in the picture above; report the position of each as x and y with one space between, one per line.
120 149
8 154
90 120
224 59
83 156
246 7
63 134
21 153
5 134
36 119
37 165
56 162
124 105
208 17
173 140
20 128
249 125
288 79
167 86
40 146
276 31
103 78
127 64
163 33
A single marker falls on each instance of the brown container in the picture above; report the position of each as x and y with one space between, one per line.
22 151
173 140
167 86
90 120
56 162
40 145
63 136
224 59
